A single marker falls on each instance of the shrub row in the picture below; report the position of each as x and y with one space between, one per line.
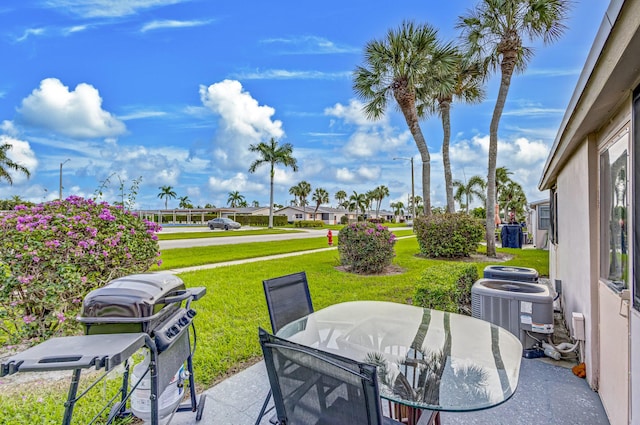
446 287
261 220
308 223
448 235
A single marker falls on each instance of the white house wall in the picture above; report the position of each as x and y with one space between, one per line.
572 257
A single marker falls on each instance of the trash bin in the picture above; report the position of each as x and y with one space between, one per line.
511 236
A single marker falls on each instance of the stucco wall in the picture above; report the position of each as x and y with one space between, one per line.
573 253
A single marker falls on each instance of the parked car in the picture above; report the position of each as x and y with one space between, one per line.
223 223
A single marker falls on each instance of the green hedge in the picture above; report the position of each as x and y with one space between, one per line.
446 287
261 220
309 223
448 235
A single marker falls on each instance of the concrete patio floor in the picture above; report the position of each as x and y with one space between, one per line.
546 394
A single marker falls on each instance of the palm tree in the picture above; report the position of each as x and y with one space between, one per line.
463 85
358 201
304 189
320 196
397 208
167 193
185 202
6 164
380 193
295 191
399 67
234 199
341 196
493 33
475 187
512 198
272 154
255 204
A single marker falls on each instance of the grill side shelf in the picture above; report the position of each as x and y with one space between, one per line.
76 352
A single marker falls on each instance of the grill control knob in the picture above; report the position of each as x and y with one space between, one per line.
175 330
184 321
191 312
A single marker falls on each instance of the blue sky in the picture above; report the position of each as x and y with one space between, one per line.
174 91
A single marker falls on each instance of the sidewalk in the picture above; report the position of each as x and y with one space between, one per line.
546 394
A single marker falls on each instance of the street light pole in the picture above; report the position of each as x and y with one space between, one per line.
413 193
61 164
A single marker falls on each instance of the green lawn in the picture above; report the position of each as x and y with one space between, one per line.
228 316
221 234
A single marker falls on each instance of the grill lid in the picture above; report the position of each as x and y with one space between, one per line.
133 296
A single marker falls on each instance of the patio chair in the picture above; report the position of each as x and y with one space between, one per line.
288 299
355 397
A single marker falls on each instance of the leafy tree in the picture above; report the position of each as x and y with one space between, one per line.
513 198
475 187
465 84
167 193
255 204
234 199
295 191
185 202
7 165
358 201
320 196
271 153
398 68
303 190
341 196
493 32
208 205
379 194
398 208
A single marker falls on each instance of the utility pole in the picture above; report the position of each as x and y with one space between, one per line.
413 193
61 164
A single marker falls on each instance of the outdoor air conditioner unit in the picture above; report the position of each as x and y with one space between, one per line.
519 307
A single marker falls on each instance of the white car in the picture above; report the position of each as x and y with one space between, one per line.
223 223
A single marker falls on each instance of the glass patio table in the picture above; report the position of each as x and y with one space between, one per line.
427 359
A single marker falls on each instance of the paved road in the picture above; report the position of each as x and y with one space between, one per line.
188 243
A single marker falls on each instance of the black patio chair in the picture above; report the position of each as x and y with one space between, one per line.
355 397
288 299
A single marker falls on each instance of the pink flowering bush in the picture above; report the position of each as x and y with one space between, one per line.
366 248
52 254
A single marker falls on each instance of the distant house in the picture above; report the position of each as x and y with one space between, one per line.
593 173
328 215
538 223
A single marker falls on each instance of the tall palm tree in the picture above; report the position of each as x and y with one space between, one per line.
465 85
255 204
341 196
272 154
397 208
295 191
380 193
304 189
234 199
167 193
475 187
493 32
398 67
320 196
185 202
370 197
512 198
358 201
6 164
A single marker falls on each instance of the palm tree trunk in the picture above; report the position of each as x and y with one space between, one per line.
271 198
507 65
407 102
445 110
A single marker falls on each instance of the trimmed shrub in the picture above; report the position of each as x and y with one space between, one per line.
53 254
261 220
446 287
344 220
448 235
308 223
366 248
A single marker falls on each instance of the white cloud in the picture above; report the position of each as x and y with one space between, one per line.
242 121
156 25
239 182
77 113
353 113
284 74
22 154
369 173
309 45
30 32
142 115
345 176
108 8
8 127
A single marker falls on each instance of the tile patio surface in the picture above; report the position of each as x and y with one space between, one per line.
546 394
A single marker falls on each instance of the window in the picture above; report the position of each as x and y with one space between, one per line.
544 217
614 204
298 216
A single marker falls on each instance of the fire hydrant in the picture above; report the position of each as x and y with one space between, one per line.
330 237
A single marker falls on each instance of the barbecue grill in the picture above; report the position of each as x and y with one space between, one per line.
127 314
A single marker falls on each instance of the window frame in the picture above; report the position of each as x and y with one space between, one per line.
635 203
546 217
